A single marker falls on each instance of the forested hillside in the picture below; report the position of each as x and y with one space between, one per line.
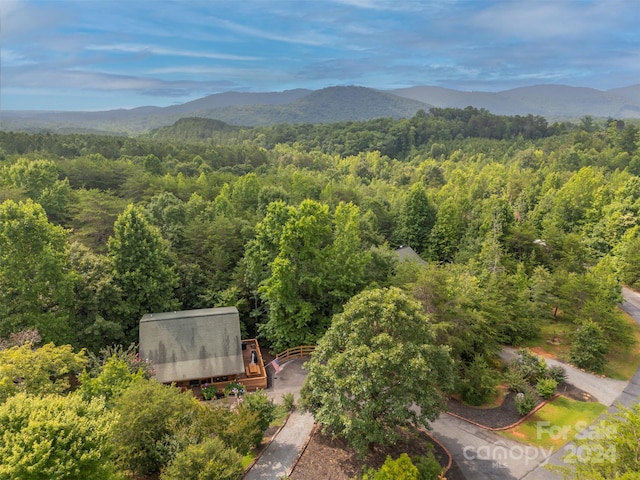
523 225
519 220
336 104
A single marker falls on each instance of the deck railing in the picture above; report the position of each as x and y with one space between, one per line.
295 352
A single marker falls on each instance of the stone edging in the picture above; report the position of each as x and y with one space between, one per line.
445 449
507 427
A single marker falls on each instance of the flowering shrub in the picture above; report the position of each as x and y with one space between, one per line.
234 388
209 391
31 336
525 401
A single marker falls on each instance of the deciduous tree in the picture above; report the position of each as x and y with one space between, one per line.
55 437
150 426
35 283
377 360
417 218
39 371
143 269
209 460
320 263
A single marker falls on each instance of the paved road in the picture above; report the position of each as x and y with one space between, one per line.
626 397
482 454
604 390
479 453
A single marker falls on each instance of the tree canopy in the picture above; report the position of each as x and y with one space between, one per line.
377 360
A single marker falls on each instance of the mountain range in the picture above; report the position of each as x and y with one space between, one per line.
334 104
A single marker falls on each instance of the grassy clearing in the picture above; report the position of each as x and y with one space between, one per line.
555 342
622 364
556 423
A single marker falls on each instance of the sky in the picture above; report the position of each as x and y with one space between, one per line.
107 54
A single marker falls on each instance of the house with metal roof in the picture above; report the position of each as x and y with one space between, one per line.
408 254
195 347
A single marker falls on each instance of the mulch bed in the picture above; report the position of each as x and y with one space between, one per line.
331 458
506 414
497 417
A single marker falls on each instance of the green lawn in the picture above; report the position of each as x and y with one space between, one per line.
247 459
556 423
621 364
555 342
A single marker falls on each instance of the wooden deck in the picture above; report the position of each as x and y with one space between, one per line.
254 376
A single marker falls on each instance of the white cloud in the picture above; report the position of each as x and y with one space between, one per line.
23 19
11 58
546 19
146 49
222 71
8 7
308 37
88 80
388 5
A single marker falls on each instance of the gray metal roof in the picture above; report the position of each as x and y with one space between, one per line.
408 254
193 343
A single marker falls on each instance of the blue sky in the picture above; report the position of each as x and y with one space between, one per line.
103 54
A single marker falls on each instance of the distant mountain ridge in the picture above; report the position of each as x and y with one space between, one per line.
551 101
335 104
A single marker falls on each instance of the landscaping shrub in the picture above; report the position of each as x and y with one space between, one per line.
239 429
234 388
259 403
401 468
589 347
558 373
526 401
533 367
209 460
515 379
209 391
478 383
151 423
546 387
288 401
428 467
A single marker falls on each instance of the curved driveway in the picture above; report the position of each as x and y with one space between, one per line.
628 396
480 454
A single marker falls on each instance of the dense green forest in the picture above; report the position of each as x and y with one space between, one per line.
518 218
521 223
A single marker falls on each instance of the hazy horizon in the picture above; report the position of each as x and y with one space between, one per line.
108 54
